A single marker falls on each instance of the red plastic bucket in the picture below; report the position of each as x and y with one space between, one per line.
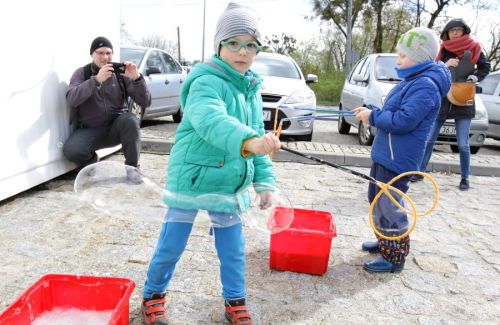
305 246
71 291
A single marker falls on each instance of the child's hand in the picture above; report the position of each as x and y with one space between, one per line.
363 114
266 199
263 145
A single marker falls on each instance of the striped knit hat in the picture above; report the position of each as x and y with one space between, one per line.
419 43
236 20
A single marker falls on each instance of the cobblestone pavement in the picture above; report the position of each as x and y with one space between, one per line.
452 275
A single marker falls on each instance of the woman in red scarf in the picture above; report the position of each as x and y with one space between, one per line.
456 41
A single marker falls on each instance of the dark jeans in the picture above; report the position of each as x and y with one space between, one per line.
387 217
81 146
463 128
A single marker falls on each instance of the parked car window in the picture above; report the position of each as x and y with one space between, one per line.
172 66
154 60
365 69
489 84
275 67
385 68
356 70
134 55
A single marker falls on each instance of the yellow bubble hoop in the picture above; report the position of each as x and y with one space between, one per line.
384 189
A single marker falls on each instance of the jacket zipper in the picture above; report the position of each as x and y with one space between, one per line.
390 147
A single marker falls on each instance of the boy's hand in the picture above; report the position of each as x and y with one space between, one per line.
363 114
263 145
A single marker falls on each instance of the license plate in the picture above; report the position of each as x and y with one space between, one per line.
448 130
266 115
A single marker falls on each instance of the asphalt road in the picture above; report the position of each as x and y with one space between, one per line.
324 132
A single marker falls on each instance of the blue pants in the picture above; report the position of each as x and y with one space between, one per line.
230 247
387 217
463 128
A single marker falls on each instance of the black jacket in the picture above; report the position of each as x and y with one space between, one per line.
448 110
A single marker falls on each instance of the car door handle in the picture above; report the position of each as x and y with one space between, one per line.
167 82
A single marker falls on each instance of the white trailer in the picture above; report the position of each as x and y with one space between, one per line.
43 42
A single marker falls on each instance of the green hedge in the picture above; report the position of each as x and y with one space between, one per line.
329 87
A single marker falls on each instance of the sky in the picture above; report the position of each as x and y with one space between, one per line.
143 17
146 17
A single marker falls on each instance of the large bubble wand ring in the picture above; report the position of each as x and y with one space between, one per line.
385 188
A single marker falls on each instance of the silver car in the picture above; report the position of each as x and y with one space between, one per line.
286 94
164 77
369 83
490 96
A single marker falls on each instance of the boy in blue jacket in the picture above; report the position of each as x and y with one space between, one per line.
403 124
220 149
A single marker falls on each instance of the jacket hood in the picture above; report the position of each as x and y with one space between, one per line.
438 72
249 82
457 22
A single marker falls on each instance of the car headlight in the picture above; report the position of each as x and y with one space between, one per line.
481 113
300 96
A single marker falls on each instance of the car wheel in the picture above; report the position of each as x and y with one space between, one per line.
454 147
177 116
137 110
343 126
365 136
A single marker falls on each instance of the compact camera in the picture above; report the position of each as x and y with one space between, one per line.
118 68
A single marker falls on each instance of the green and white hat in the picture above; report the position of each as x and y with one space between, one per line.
419 43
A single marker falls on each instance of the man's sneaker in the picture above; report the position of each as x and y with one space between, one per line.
134 176
153 310
236 312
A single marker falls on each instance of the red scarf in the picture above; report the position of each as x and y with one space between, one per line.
459 45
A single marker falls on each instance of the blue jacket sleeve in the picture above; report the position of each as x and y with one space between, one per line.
399 118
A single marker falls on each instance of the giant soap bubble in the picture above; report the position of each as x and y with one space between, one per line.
120 191
123 192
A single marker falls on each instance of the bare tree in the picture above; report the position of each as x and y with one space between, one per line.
160 42
494 51
378 6
336 11
284 44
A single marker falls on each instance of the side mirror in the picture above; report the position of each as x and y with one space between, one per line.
311 78
152 70
359 78
479 89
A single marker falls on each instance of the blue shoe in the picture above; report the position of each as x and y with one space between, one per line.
370 246
416 178
381 265
464 184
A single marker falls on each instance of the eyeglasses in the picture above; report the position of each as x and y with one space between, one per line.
457 30
101 53
235 46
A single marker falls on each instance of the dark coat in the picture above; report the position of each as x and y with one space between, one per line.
448 110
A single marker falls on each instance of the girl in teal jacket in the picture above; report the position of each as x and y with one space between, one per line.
220 149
